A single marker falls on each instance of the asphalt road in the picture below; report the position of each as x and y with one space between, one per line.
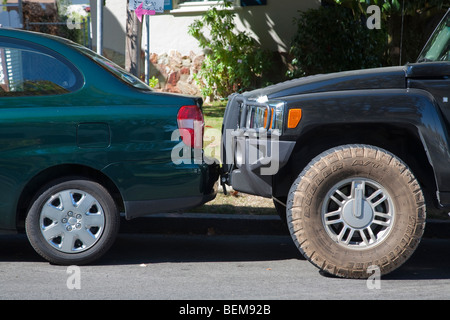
201 267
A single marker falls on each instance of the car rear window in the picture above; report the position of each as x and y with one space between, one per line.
30 71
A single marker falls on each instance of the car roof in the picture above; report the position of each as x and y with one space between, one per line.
35 37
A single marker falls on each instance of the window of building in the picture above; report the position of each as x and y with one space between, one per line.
248 3
185 1
196 5
242 3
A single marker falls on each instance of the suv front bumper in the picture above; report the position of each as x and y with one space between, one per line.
250 158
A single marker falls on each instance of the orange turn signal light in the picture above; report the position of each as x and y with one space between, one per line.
294 117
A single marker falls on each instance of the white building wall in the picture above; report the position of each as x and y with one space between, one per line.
175 55
272 25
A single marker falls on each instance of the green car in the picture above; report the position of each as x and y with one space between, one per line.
82 142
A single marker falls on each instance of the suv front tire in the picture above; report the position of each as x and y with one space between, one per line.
354 207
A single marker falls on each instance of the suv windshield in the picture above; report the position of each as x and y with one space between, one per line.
112 67
438 47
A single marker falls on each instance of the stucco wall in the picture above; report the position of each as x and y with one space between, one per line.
175 55
272 25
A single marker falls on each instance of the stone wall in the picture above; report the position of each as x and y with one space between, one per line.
175 71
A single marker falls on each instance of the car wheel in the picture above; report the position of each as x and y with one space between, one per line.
72 221
356 207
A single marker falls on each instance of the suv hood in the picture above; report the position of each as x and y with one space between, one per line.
379 78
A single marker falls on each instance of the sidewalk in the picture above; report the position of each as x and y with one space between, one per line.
231 224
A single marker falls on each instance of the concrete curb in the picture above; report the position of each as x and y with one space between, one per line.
230 224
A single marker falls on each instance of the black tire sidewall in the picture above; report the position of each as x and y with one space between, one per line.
107 238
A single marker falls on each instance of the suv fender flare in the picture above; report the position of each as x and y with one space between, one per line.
411 108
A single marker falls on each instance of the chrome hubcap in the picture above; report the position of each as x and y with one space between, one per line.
72 221
358 213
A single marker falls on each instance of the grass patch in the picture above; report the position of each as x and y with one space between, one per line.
237 203
213 114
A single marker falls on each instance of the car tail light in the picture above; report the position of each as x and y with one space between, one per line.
191 126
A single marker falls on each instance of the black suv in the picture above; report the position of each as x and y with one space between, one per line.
352 160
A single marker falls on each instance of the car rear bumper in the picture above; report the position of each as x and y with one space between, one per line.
209 177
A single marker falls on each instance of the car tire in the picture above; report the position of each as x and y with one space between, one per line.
72 221
355 209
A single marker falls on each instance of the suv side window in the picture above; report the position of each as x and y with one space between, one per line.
29 71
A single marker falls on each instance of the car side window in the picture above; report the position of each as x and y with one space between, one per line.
26 71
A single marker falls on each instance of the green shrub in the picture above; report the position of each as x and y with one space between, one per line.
407 23
331 39
233 60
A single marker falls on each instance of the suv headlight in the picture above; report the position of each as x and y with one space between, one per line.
268 115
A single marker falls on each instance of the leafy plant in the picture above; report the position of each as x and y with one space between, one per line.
153 82
393 7
52 21
233 60
408 23
331 39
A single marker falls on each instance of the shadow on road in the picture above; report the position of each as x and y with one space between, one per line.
430 261
200 248
156 248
